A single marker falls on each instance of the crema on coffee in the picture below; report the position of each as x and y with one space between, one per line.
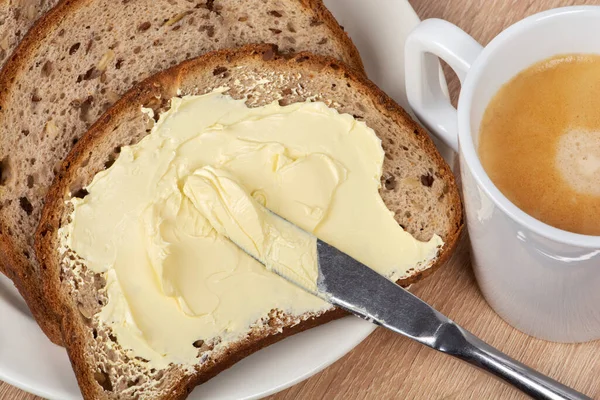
539 141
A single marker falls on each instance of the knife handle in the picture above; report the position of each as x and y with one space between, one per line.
464 345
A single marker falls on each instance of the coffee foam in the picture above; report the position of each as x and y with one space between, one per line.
539 142
578 160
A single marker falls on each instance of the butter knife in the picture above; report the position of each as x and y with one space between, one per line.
346 283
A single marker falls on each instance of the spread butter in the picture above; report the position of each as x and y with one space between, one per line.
151 221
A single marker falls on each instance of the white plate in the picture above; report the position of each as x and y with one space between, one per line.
28 360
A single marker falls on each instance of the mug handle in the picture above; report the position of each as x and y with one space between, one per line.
431 39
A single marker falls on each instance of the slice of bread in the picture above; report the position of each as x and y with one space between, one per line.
417 184
16 17
82 56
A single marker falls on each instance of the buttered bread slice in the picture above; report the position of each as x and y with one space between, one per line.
304 135
82 56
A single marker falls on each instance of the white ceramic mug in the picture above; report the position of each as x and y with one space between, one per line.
542 280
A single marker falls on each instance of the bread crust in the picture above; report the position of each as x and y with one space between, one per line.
13 262
18 18
325 15
165 85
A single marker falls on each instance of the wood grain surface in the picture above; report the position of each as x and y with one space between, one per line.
387 366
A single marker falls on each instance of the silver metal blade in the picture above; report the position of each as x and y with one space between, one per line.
347 283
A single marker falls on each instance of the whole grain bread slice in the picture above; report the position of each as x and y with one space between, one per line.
417 184
16 17
82 56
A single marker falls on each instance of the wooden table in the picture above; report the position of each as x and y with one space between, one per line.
387 366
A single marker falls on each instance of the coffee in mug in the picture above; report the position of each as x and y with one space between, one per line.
539 141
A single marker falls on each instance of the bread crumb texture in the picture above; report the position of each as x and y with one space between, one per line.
16 17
